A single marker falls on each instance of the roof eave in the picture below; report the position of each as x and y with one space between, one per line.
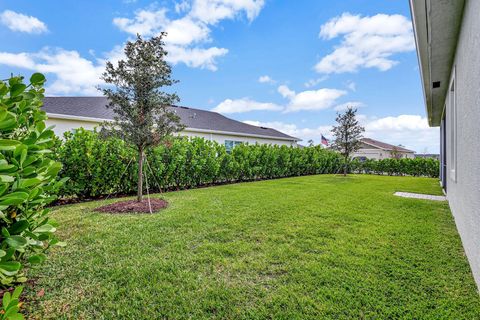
435 51
191 129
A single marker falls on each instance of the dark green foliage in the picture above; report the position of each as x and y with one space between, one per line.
399 167
99 167
142 117
28 179
11 305
347 133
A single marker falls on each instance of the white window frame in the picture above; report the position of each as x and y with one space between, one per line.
452 101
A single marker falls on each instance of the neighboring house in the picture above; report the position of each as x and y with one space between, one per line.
374 149
447 35
70 113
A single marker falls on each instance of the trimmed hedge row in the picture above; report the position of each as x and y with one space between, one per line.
426 167
99 167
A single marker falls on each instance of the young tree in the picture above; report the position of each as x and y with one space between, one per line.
347 135
142 117
395 153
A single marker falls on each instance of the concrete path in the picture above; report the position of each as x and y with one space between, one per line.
420 196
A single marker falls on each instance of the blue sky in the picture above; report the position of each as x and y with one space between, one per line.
290 65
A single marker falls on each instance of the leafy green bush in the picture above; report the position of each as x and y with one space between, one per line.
99 167
426 167
11 305
28 178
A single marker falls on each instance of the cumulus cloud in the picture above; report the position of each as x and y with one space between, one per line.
74 74
22 23
368 42
285 91
266 79
311 99
188 34
411 131
212 11
293 130
244 105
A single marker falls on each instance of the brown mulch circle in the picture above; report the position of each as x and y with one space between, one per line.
133 206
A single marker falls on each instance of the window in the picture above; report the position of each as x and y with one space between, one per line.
453 129
230 144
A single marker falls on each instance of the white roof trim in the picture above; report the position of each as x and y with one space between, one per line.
71 117
239 134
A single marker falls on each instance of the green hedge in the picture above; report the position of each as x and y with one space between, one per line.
426 167
99 167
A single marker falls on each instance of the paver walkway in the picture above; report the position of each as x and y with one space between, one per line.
420 196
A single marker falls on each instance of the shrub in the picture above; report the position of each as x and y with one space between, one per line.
28 178
99 167
426 167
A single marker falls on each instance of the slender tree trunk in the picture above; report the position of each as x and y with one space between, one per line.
140 175
345 166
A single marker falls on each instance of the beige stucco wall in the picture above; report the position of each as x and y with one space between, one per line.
64 125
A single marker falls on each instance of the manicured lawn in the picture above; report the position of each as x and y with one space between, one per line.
318 247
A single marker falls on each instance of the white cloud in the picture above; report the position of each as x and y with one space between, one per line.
293 130
306 100
411 131
244 105
313 82
286 92
18 60
22 23
311 99
187 34
146 22
368 42
196 57
182 6
266 79
212 11
74 74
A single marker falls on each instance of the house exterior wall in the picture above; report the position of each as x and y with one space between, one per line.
64 125
463 187
379 154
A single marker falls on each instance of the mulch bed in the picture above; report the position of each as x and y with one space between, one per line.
133 206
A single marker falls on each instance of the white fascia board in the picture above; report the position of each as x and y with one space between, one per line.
71 117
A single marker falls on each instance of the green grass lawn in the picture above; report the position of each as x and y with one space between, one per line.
318 247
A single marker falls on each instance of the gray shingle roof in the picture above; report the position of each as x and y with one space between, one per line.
95 107
384 145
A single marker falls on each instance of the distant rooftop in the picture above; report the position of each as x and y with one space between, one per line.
384 145
95 108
